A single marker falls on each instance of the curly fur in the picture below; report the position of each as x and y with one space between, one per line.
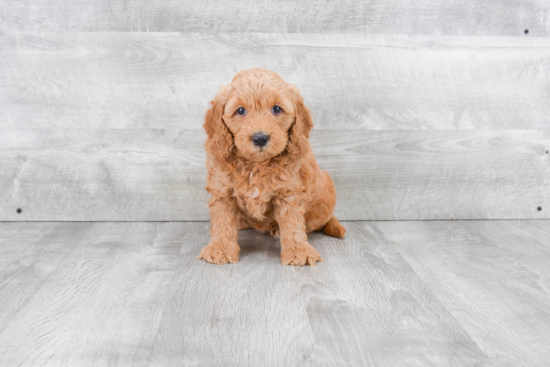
278 188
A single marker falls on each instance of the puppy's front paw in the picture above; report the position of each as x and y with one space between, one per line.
221 255
300 255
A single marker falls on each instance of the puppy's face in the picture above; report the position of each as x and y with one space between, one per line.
259 113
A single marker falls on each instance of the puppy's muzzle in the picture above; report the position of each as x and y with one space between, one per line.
260 139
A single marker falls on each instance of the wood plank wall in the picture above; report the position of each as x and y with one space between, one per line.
456 17
422 111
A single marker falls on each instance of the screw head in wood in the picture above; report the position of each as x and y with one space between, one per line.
539 208
19 210
526 31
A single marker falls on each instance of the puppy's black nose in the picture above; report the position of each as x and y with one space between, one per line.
260 139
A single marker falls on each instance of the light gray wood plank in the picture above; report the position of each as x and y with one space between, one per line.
135 294
472 174
254 312
494 277
103 174
352 81
468 17
362 306
247 314
365 307
101 306
159 174
29 254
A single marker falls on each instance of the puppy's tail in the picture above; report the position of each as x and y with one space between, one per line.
334 228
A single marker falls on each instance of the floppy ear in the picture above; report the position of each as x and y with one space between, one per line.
303 123
220 139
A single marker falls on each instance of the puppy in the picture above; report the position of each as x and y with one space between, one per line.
261 171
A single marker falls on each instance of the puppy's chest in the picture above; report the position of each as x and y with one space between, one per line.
255 194
255 203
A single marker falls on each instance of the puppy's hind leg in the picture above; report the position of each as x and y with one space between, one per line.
272 228
334 228
244 223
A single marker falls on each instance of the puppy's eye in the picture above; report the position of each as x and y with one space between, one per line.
277 110
241 111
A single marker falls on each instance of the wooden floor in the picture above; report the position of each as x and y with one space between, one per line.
415 293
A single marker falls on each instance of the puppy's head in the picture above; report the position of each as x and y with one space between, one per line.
258 116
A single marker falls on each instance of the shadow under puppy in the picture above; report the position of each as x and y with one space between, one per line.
261 171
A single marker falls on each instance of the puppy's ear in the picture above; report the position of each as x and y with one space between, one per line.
303 123
220 140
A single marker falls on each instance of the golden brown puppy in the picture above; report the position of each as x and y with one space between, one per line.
262 172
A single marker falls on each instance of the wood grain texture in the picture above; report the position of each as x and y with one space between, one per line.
446 293
353 81
29 254
159 174
103 174
494 277
102 304
135 294
468 17
362 306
